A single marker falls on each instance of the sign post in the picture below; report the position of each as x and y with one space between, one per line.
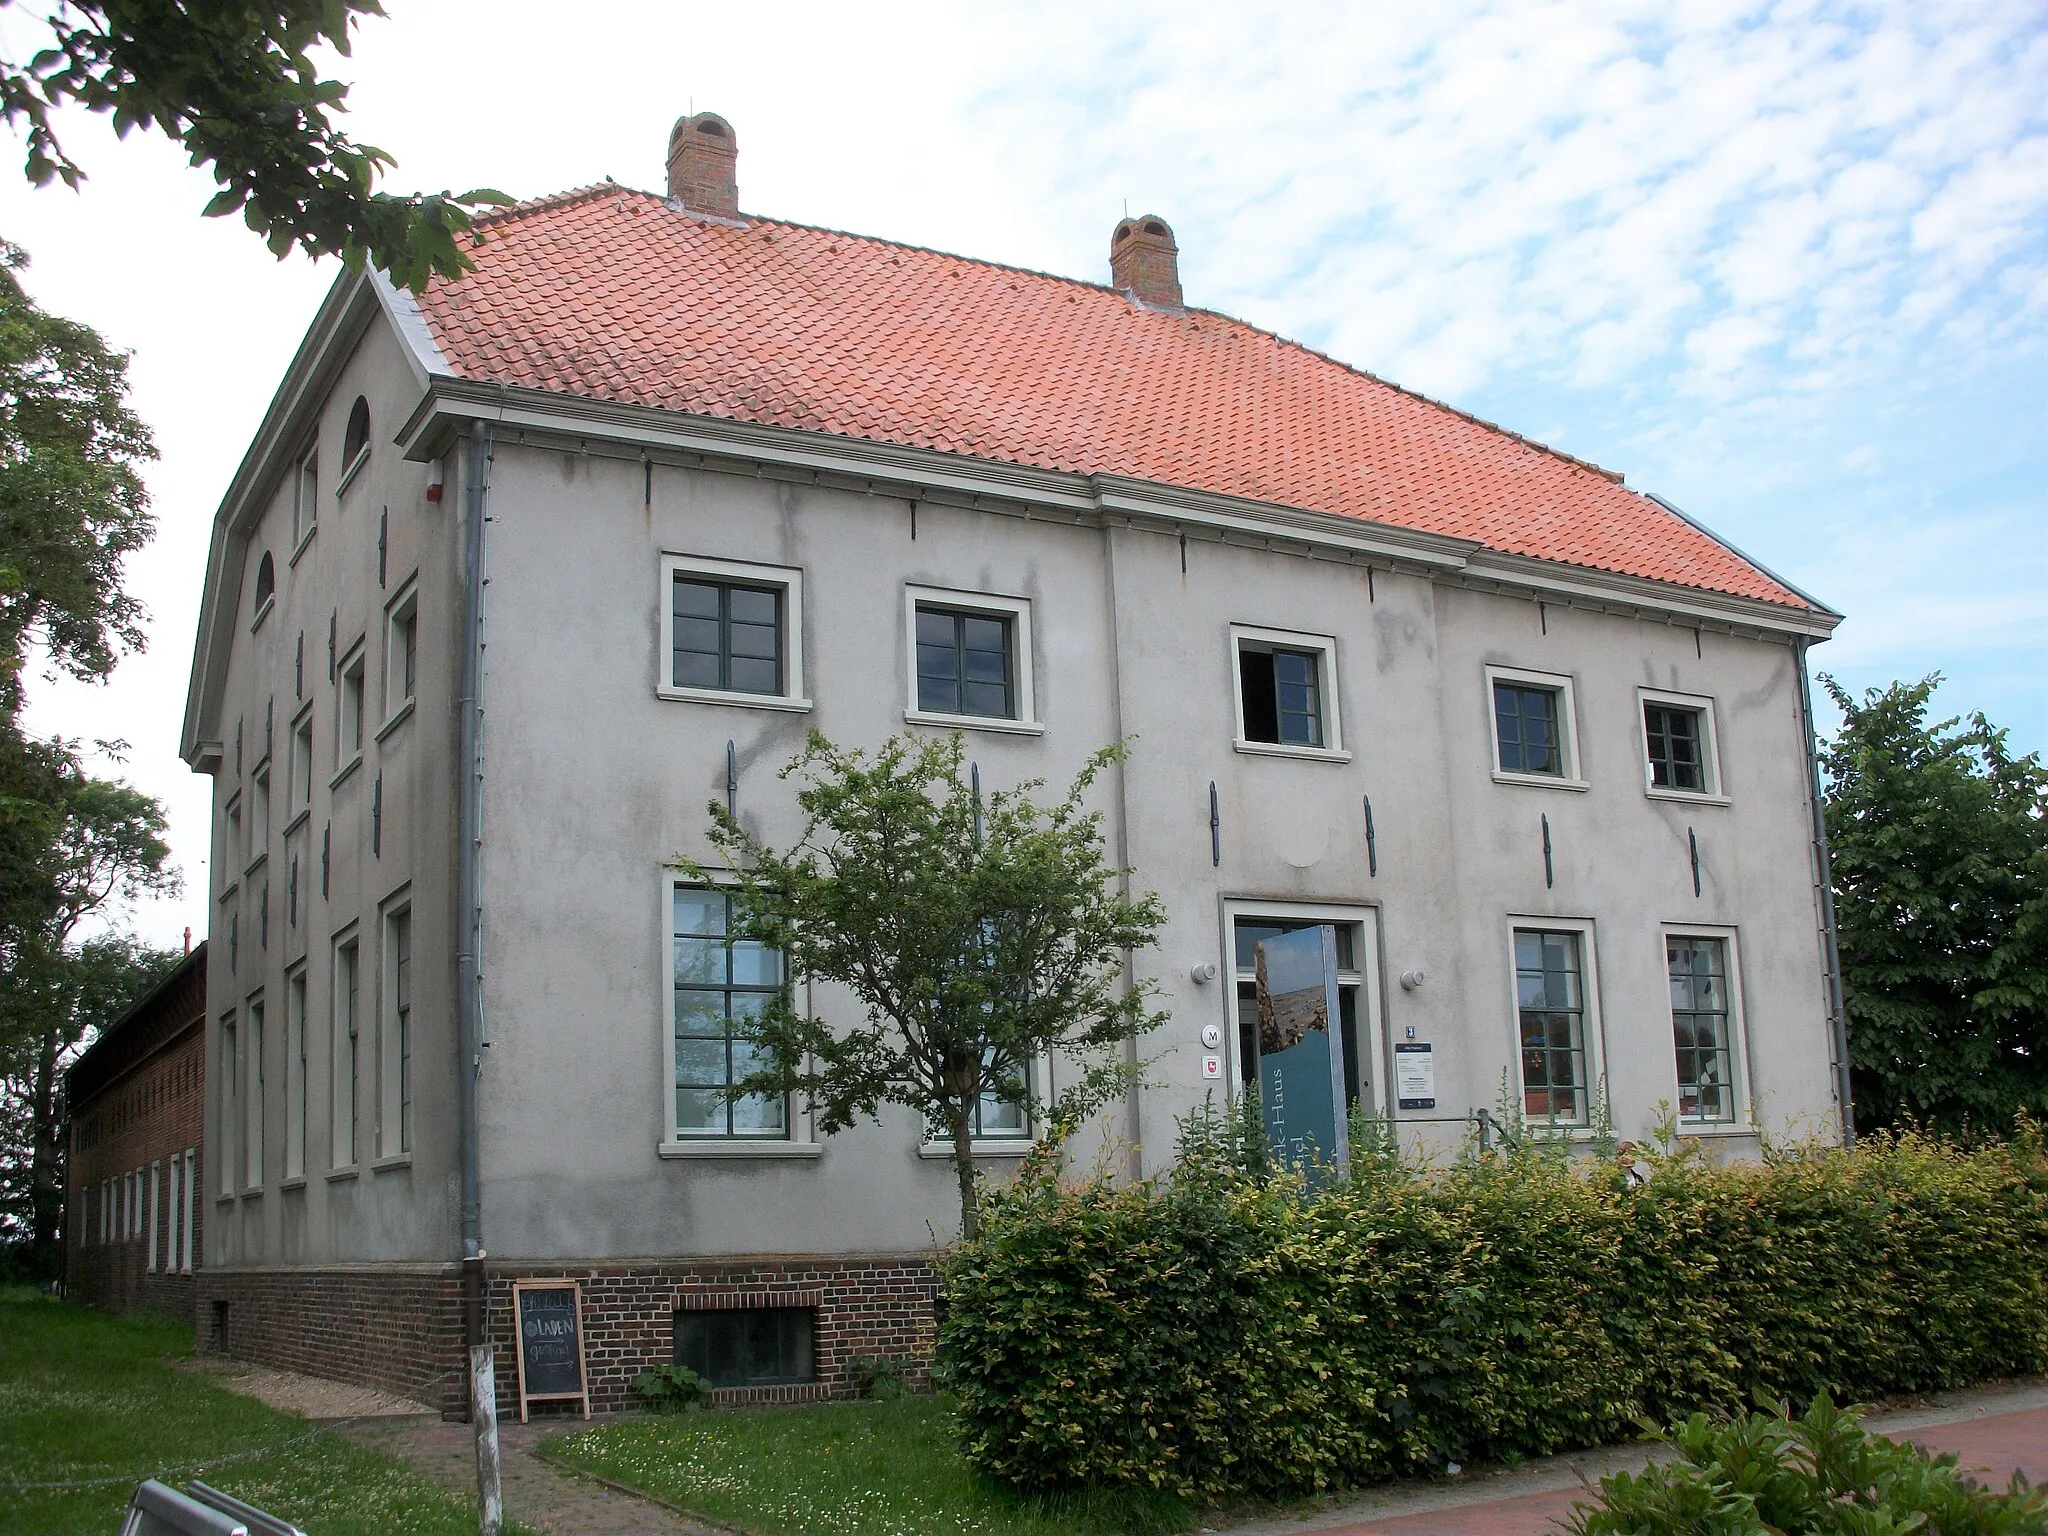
1301 1056
549 1315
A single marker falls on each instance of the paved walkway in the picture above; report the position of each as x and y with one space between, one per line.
1995 1431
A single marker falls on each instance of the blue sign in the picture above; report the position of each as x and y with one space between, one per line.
1301 1057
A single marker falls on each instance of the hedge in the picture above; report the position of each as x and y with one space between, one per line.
1223 1333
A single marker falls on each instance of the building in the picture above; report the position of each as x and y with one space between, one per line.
135 1226
1534 742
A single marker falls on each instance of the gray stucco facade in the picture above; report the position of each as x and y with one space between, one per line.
1129 602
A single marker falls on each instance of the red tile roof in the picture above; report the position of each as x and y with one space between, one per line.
610 294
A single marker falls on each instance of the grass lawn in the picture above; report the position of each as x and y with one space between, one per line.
84 1395
841 1469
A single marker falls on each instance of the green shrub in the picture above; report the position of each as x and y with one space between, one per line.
880 1377
1820 1474
1228 1332
671 1388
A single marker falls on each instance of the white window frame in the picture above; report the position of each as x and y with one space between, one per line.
156 1169
1744 1123
936 1148
394 1149
299 768
260 808
1715 792
338 1073
802 1141
1364 975
174 1205
788 578
228 1046
305 498
402 607
188 1262
354 664
1574 776
297 1103
254 1055
1025 684
1594 1023
1325 648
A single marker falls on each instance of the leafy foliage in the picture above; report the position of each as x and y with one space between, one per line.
977 938
1939 838
1816 1474
1225 1332
671 1388
72 504
235 84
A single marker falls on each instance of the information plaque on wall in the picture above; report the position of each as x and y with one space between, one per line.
549 1314
1415 1075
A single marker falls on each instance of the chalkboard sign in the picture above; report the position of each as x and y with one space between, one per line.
550 1318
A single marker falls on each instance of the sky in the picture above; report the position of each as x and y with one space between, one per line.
1784 264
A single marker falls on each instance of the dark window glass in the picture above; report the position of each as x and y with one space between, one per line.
357 437
726 637
1282 696
751 1347
720 982
964 664
1550 999
1699 1025
1526 721
1674 739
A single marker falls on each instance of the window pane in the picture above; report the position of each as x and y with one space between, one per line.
700 1110
983 635
755 965
700 1012
1526 722
700 962
695 669
1673 740
992 699
700 912
698 599
1256 694
935 628
753 676
700 1063
756 606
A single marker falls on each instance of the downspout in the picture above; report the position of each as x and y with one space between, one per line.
468 909
1824 885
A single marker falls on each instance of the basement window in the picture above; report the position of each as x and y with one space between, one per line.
748 1347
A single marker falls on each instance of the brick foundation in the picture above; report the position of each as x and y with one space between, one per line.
400 1328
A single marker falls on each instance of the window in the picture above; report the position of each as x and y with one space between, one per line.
266 588
720 982
1286 692
1535 737
230 1103
259 813
1550 1003
394 1122
1679 750
748 1347
1248 929
355 441
347 1053
964 664
295 1075
234 855
174 1203
155 1190
729 632
970 660
305 495
302 764
999 1116
348 719
1702 1027
252 1175
191 1206
401 653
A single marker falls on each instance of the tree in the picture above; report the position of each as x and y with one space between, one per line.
72 503
1939 838
94 843
978 939
235 83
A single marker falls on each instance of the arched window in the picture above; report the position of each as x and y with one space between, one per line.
356 440
266 580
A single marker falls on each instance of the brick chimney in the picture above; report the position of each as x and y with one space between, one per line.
702 157
1145 263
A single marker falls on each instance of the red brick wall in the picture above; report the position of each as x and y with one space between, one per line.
143 1104
400 1329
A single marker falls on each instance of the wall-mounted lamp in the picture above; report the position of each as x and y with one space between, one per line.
1413 979
1204 973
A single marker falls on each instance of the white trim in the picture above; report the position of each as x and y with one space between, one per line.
789 579
156 1167
191 1206
733 1146
404 604
387 1131
1593 1030
1024 687
1325 648
403 714
305 542
263 611
1007 1146
1715 792
305 509
353 468
1559 683
1744 1122
298 1008
348 938
355 659
1364 974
